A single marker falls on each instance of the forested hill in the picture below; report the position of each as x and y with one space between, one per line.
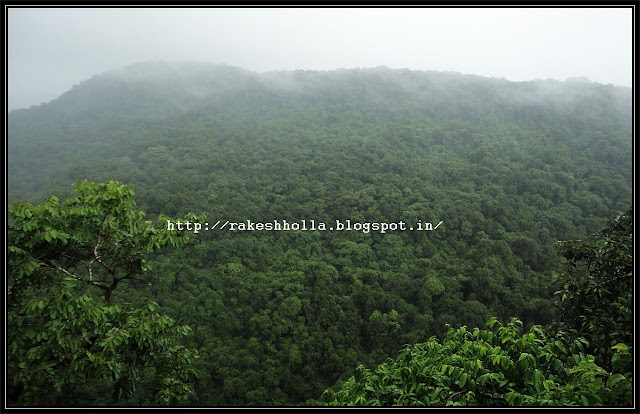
446 112
508 167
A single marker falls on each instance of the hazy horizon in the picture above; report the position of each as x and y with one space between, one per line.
50 50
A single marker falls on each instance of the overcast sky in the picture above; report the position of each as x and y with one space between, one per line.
49 50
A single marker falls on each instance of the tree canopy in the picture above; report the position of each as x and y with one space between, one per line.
597 287
502 366
277 317
67 336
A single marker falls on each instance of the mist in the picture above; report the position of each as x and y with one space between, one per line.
50 50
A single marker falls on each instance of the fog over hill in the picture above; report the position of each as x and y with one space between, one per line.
155 94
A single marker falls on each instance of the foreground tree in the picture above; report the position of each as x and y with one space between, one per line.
67 336
499 366
597 287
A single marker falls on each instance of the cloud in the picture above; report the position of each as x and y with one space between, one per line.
50 49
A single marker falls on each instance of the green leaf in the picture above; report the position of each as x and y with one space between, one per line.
463 379
614 379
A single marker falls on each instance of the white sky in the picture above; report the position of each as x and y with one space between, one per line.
51 49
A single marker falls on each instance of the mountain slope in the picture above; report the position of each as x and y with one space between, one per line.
508 167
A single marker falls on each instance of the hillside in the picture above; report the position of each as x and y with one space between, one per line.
508 167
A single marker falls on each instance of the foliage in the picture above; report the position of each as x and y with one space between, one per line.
278 317
499 366
597 287
61 333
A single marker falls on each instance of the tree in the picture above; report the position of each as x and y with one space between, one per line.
64 338
499 366
587 364
597 287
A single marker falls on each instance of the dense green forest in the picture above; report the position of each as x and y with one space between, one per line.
276 318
